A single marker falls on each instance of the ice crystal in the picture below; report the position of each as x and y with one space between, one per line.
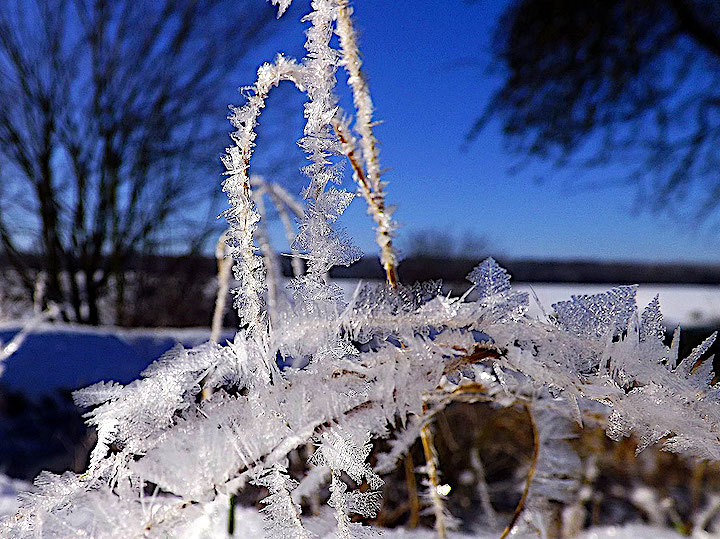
282 6
281 512
651 322
492 285
490 279
598 315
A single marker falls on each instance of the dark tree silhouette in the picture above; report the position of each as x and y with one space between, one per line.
109 122
629 82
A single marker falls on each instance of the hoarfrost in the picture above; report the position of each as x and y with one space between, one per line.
201 424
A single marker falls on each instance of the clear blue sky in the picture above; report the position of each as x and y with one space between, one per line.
427 65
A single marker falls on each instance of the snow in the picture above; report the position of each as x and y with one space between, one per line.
212 522
249 523
630 531
65 356
9 489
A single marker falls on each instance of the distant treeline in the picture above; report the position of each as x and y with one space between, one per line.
423 268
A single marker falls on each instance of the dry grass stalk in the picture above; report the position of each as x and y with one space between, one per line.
285 204
414 500
224 264
431 466
368 178
531 474
361 93
376 205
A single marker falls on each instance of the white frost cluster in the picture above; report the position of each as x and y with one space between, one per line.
163 452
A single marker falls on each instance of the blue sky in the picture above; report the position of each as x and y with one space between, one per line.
427 65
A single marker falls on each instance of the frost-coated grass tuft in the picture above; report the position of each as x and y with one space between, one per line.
334 374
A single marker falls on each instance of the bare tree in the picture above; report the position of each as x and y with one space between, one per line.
107 132
442 244
634 83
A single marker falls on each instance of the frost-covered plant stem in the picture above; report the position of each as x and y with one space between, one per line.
224 264
284 203
371 188
368 180
413 499
361 93
375 199
531 473
242 215
272 271
431 468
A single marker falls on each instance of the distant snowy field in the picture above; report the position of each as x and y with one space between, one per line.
61 356
64 356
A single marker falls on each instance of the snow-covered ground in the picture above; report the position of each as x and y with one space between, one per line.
211 521
64 356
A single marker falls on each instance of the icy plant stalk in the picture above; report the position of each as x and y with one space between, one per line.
224 265
431 466
323 244
285 205
272 269
375 199
242 216
368 180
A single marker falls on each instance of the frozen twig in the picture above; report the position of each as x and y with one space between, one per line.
361 94
7 350
368 180
375 200
431 467
531 473
224 264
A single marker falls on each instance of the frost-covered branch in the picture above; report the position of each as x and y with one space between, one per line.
242 216
224 265
368 180
375 199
